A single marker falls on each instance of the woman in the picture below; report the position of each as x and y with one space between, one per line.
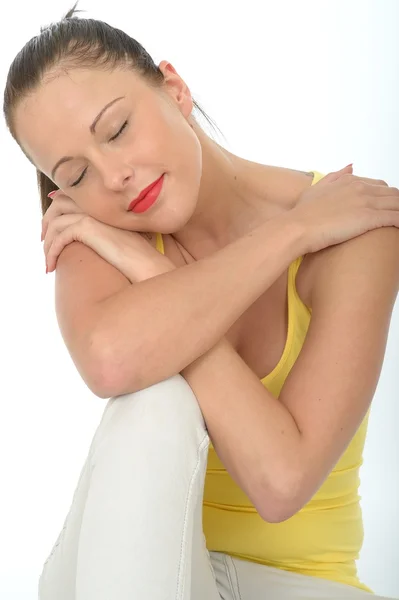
187 331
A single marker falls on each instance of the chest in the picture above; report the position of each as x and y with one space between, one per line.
259 335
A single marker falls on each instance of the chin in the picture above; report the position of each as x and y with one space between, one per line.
176 219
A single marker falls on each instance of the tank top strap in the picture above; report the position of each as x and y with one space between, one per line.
160 246
316 176
294 266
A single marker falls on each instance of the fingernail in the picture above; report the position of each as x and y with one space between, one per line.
351 165
51 194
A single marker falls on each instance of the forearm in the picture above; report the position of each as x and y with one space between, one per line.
153 329
254 435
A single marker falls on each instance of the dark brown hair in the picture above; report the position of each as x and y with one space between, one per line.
71 43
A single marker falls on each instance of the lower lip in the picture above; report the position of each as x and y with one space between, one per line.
149 198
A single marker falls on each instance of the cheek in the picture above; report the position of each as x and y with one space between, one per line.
94 203
188 172
184 152
193 159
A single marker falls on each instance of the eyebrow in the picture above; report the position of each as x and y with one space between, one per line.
92 131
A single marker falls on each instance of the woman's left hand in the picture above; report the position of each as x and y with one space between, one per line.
128 251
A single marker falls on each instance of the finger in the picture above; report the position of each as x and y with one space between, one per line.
334 175
384 202
376 187
57 246
57 225
63 205
74 232
373 181
368 180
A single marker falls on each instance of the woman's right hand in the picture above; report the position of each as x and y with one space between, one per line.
128 251
342 206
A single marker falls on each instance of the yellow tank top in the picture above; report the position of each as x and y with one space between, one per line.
325 537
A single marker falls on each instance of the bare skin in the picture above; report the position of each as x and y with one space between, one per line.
210 197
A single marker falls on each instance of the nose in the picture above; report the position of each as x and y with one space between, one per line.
116 175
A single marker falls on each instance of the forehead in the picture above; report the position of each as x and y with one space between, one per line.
74 93
64 106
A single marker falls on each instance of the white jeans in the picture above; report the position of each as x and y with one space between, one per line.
134 529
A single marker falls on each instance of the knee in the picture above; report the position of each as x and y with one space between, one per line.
168 401
167 408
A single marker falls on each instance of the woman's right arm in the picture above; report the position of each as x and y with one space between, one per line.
153 329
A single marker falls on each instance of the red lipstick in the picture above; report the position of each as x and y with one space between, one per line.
147 197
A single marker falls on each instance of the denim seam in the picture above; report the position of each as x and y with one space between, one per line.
180 585
229 577
237 580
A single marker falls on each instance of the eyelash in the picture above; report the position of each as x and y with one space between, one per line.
110 140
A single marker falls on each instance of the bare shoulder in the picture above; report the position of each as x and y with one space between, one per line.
299 175
288 185
291 183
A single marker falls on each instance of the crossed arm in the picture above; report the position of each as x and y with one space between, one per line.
281 451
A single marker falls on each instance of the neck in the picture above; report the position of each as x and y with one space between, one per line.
235 196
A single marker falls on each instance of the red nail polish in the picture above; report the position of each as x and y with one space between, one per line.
51 194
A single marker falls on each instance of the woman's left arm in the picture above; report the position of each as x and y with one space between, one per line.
281 451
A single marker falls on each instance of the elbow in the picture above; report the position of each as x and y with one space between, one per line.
99 375
104 381
102 388
113 378
97 381
276 511
95 368
279 504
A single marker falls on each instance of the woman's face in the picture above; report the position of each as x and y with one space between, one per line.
154 136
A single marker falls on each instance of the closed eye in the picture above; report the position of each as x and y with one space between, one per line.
110 140
119 132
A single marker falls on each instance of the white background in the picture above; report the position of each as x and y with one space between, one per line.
307 85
